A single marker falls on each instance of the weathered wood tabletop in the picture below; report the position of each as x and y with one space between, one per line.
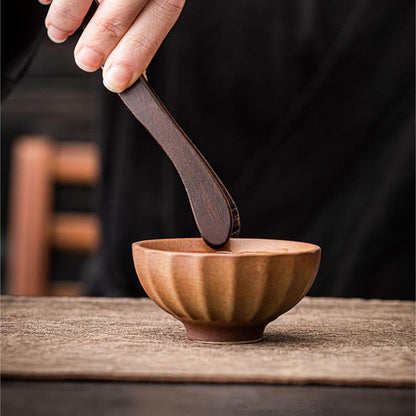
343 342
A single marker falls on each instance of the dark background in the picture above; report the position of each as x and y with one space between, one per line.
59 100
306 111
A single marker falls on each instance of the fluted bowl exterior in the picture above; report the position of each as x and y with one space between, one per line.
245 287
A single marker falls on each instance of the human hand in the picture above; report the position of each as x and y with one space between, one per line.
122 36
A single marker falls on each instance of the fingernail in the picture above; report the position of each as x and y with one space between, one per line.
57 35
88 59
116 78
45 2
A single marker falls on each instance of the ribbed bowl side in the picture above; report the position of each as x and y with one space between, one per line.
152 279
290 287
226 290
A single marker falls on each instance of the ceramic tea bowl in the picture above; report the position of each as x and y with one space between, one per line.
226 296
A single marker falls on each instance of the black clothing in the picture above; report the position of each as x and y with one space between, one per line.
21 26
305 109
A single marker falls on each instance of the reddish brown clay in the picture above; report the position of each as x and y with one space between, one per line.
226 296
223 334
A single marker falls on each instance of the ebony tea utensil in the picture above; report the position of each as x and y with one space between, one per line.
216 214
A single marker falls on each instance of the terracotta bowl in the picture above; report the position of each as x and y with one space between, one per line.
226 296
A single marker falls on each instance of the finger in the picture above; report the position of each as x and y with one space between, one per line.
108 25
45 2
136 49
64 18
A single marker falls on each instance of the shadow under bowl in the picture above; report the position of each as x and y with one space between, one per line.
227 295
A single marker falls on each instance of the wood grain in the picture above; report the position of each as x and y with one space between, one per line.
30 212
38 164
75 231
347 342
76 163
215 212
150 399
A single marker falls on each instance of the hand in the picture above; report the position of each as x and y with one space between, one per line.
122 36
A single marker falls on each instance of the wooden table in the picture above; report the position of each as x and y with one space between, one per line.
154 399
58 358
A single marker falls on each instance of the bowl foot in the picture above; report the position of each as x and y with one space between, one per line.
223 335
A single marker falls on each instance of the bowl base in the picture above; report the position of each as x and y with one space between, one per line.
214 334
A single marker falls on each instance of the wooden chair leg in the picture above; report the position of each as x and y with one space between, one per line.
30 210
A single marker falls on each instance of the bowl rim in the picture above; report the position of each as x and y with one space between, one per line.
309 248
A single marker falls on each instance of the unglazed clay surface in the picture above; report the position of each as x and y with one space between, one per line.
229 295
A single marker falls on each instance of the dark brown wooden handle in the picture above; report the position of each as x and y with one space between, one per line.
214 210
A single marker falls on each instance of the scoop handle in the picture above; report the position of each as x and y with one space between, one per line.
216 215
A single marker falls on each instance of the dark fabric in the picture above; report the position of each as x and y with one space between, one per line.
305 110
21 26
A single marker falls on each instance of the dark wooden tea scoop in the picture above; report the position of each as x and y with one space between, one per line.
216 215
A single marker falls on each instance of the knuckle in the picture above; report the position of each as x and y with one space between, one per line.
169 8
111 27
174 5
142 44
65 17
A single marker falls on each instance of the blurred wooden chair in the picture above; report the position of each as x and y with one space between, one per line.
38 163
